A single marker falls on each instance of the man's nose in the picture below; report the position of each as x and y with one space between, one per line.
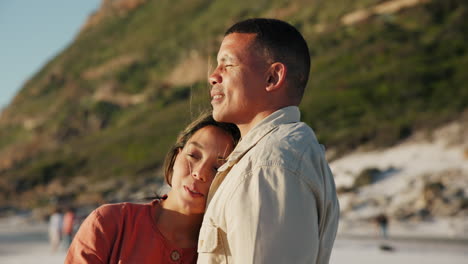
215 78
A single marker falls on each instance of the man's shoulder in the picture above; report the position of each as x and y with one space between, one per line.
286 144
289 137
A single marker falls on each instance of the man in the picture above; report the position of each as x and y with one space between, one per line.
274 201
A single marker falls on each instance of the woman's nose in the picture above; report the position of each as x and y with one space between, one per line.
201 172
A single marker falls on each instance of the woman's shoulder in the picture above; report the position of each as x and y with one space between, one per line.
116 209
122 209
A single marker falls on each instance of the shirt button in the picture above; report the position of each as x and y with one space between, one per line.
175 255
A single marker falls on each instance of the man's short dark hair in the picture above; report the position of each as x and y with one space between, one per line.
283 43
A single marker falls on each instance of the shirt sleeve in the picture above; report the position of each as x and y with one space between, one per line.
272 218
94 240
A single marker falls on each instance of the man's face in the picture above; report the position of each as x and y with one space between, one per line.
239 80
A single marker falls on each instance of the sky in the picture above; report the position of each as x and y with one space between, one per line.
32 32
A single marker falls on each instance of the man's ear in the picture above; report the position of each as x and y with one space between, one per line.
276 76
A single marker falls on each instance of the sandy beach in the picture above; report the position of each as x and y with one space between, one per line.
367 251
22 242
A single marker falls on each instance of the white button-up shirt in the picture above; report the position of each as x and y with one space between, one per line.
277 203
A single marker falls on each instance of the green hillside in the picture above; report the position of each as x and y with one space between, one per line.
106 109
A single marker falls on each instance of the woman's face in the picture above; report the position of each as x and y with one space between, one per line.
195 168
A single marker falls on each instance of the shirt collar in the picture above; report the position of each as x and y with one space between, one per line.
289 114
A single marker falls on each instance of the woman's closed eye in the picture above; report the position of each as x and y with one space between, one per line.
193 156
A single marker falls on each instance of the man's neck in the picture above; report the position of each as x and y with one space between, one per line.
246 127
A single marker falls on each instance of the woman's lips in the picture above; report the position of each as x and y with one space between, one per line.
193 192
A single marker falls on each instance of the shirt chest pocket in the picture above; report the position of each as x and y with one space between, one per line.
210 244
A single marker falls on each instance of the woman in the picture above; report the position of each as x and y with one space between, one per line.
165 230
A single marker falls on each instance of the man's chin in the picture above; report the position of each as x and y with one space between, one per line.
218 116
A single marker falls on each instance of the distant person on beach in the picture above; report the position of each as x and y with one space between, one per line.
67 226
382 223
165 230
274 201
55 229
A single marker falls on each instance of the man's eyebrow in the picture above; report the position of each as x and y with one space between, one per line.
196 144
226 58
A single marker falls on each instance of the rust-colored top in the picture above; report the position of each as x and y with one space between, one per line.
125 233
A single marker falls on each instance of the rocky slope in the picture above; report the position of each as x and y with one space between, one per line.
424 178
